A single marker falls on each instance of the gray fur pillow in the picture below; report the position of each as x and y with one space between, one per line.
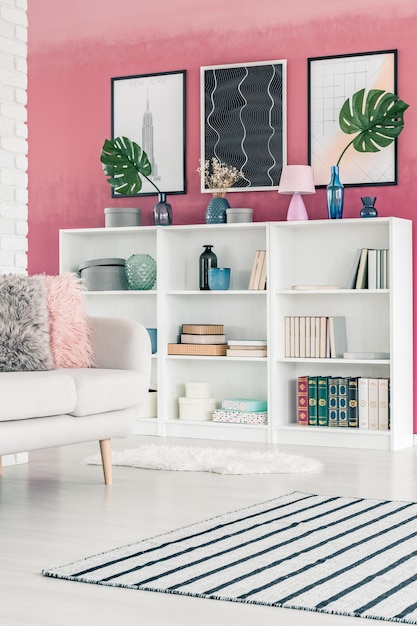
24 324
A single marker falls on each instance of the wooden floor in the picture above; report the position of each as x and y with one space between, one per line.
54 511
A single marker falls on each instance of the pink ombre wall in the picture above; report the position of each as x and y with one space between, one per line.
76 46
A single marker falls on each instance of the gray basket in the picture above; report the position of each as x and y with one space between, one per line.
103 274
116 216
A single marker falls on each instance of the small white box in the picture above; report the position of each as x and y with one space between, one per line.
197 390
150 405
196 409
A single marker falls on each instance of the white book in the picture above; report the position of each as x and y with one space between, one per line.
248 342
308 337
302 337
373 404
372 269
317 342
383 403
378 269
363 384
312 337
383 269
292 336
362 275
337 336
287 341
296 336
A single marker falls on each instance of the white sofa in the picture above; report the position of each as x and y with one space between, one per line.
43 409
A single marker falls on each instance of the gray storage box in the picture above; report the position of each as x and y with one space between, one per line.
103 274
116 216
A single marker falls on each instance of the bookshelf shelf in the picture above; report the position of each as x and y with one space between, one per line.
318 252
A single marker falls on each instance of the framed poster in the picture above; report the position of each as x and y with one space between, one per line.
243 121
331 81
150 110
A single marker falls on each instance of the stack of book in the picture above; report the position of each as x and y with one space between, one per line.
353 402
315 337
242 411
200 340
246 348
258 274
370 269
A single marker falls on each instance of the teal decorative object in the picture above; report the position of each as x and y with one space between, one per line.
141 271
219 278
216 211
335 194
368 209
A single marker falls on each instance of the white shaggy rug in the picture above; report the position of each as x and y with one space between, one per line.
218 460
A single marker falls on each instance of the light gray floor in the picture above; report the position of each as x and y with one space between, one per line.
54 511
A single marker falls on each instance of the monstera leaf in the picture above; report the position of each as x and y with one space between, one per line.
124 164
378 119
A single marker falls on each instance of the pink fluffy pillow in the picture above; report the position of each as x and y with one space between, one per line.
69 328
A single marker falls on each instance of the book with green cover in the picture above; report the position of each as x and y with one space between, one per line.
312 400
322 407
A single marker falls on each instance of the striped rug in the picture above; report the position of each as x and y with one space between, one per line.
347 556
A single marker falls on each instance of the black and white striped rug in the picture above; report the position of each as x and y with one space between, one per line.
347 556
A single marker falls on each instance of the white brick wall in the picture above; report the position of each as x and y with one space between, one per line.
13 136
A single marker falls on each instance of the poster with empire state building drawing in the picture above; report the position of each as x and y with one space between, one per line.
150 110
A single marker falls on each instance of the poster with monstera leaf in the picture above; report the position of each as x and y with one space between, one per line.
331 81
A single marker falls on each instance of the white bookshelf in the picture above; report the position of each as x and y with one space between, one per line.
313 252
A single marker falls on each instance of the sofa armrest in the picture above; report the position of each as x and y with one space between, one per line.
120 344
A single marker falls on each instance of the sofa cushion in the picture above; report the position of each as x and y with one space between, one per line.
35 394
102 390
24 324
69 327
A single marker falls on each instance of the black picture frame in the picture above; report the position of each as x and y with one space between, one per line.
331 81
150 109
244 121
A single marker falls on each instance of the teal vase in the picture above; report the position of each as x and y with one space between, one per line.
216 211
335 195
140 271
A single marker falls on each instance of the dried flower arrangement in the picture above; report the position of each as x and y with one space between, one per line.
218 176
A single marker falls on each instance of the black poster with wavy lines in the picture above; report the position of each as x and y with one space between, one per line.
244 121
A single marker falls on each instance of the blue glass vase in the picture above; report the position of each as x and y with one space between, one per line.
335 195
368 209
216 211
162 211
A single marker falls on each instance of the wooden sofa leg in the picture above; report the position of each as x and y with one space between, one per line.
105 449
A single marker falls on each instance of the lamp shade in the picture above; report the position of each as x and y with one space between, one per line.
296 179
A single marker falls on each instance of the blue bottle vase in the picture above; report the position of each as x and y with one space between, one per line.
368 209
335 195
216 211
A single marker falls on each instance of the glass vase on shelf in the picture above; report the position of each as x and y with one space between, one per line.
335 192
216 210
207 259
162 211
368 209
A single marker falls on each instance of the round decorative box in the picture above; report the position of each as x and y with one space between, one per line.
115 216
197 409
239 215
197 390
141 271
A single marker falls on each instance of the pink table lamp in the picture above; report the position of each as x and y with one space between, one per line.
297 180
